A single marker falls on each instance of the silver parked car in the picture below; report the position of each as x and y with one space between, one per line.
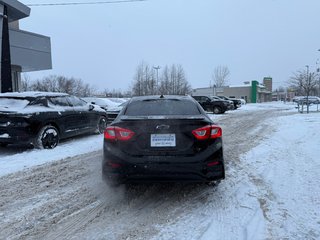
309 100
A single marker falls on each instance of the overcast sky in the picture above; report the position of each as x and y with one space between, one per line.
103 44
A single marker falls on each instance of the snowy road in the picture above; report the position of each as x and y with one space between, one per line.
269 192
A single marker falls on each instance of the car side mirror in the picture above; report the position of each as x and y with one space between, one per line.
91 107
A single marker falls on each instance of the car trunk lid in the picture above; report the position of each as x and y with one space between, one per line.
156 135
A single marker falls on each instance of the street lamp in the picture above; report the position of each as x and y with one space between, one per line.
308 86
318 71
157 68
307 66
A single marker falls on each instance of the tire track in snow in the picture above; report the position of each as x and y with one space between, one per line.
77 221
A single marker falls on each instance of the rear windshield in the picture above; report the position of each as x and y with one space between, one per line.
13 103
159 107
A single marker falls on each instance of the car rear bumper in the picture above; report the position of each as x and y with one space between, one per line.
163 168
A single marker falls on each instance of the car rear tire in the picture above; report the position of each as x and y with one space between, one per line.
47 138
217 110
101 125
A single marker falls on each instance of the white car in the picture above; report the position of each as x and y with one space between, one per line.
114 111
103 103
308 100
243 102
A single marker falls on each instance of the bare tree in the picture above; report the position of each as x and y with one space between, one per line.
165 85
137 88
181 85
54 83
25 82
172 81
114 93
220 76
144 82
304 82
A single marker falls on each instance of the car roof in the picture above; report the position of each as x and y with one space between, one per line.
164 97
32 94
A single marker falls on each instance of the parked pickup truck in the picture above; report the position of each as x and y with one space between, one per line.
212 105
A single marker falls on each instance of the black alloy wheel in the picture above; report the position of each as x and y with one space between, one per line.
47 138
217 110
101 126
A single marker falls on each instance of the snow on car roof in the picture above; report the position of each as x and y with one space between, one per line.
32 94
110 102
100 101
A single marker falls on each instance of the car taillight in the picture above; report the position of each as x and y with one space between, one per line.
209 131
114 165
117 133
211 164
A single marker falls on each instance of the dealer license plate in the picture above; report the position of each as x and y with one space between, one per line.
163 140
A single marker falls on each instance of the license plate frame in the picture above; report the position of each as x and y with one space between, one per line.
163 140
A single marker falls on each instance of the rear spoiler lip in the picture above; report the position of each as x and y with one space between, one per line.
178 117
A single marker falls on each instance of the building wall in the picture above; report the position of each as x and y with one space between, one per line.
237 92
25 46
246 92
29 51
243 92
14 25
203 92
267 81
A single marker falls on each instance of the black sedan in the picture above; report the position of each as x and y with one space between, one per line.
43 118
162 139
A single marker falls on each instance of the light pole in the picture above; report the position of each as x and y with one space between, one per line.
157 69
318 71
308 86
307 66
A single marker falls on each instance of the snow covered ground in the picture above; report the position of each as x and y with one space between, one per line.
284 168
16 158
271 191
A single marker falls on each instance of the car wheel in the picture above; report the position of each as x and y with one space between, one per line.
216 110
101 125
48 137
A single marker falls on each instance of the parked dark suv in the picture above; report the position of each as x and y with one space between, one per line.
236 102
43 118
163 139
212 105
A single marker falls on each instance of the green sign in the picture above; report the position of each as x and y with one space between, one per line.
254 86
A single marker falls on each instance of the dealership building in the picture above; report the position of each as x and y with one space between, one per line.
21 51
252 92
